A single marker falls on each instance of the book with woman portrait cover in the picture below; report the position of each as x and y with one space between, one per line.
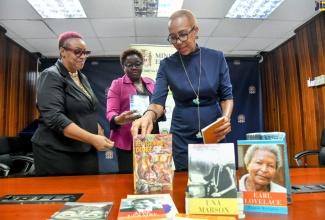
141 208
153 167
211 188
262 175
83 210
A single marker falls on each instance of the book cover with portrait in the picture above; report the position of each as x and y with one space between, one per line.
83 210
167 203
211 188
141 208
153 167
262 175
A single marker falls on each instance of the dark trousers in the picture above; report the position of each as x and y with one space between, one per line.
51 162
125 160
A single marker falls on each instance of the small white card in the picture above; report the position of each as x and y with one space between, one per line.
139 103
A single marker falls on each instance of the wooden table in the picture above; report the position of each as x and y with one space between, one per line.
114 187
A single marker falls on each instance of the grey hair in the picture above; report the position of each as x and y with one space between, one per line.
273 148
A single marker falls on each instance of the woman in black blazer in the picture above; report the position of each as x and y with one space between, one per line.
68 135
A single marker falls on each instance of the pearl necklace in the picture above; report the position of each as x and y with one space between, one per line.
197 100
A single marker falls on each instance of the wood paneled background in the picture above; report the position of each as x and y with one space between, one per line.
288 104
17 86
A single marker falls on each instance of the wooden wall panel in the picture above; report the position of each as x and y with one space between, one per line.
17 87
293 107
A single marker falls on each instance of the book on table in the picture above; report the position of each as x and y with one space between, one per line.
139 103
83 210
262 175
276 135
141 208
208 131
153 168
167 202
211 188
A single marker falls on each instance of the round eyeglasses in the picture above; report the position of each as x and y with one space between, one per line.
137 65
182 37
78 52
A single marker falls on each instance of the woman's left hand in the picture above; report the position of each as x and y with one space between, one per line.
221 132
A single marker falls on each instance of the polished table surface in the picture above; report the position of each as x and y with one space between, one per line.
114 187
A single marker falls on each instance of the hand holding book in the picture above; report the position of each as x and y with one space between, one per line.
217 130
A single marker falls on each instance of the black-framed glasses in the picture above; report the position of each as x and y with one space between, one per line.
182 37
78 52
137 65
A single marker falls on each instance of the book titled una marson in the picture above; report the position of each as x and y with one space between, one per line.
153 168
211 186
262 176
83 210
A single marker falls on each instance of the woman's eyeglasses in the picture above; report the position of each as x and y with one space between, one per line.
77 52
182 37
137 65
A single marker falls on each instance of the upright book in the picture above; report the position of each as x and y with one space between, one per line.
83 210
141 208
212 186
262 176
208 131
153 168
276 136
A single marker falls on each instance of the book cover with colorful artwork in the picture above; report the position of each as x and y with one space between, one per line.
212 186
153 168
262 175
141 208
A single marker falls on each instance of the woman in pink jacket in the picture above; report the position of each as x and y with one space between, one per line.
118 106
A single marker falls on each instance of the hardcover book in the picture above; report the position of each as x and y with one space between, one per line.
262 176
212 186
83 210
276 136
167 203
141 208
208 131
139 103
153 168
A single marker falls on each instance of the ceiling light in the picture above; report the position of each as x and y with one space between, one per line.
156 8
253 8
58 8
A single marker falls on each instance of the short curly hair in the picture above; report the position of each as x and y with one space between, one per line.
130 52
273 148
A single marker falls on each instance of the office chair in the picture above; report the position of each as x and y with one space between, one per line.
320 153
14 165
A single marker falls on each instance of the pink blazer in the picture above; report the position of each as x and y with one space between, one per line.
118 101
